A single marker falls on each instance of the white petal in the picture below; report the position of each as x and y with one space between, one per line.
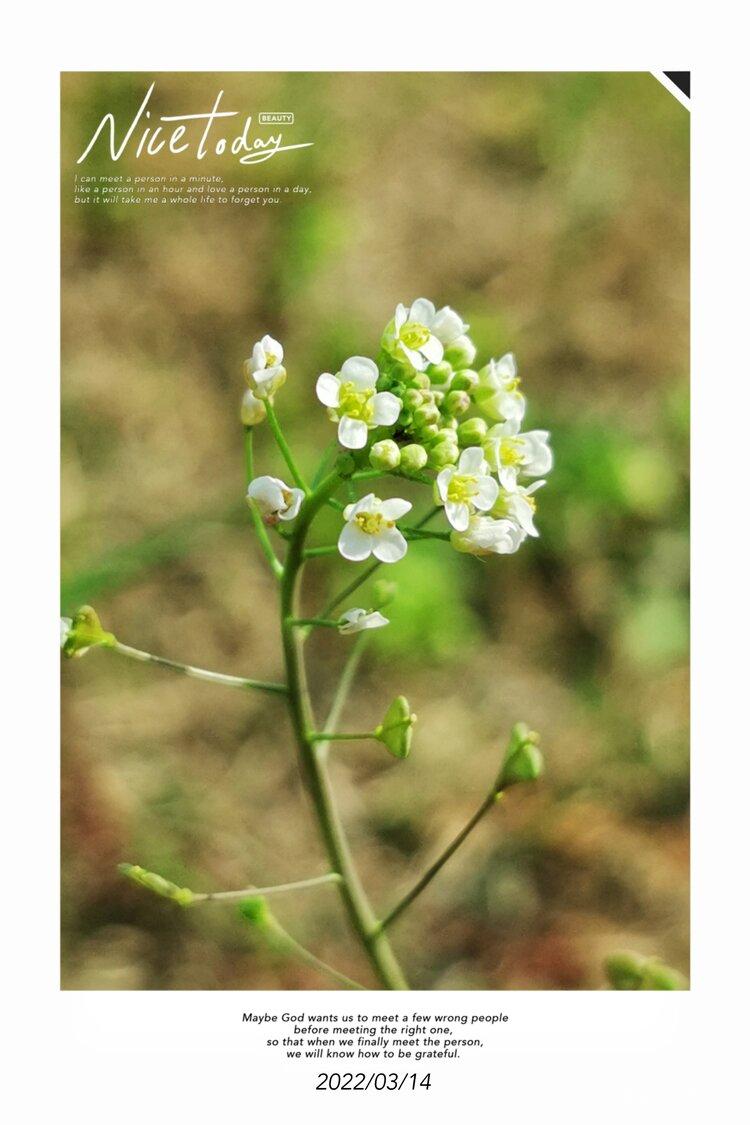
386 408
447 325
367 503
538 455
432 350
487 495
394 509
358 619
352 433
258 360
296 496
273 347
422 311
328 389
389 546
508 477
416 359
443 480
268 493
535 487
505 367
400 317
354 544
458 515
472 460
361 371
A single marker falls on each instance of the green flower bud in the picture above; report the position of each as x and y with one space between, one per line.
465 380
523 759
412 398
82 632
252 410
396 728
385 455
421 379
441 374
457 402
446 433
383 593
427 433
472 432
442 453
631 972
156 883
413 458
438 397
426 415
461 353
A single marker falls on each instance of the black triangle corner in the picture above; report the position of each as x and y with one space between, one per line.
681 79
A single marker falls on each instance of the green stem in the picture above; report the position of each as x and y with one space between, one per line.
320 552
281 937
260 527
334 736
489 801
278 888
240 682
312 763
415 533
286 452
320 622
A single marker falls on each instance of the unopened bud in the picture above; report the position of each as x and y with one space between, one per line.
465 380
441 374
461 353
631 972
442 453
412 398
255 911
457 402
253 410
82 632
385 455
426 415
413 458
156 883
471 432
427 433
383 593
421 379
523 758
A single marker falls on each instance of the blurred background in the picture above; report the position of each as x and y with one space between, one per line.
552 211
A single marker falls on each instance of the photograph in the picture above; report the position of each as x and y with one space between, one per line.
375 558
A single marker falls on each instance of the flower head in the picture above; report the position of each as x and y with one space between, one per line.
466 487
370 529
497 392
420 333
355 620
252 410
264 370
352 400
512 453
275 500
519 505
487 536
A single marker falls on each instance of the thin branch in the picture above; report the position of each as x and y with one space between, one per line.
240 682
279 888
490 800
275 929
334 736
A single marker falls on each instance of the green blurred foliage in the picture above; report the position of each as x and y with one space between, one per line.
552 211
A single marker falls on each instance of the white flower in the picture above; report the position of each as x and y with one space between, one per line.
497 392
467 486
416 332
352 400
66 624
355 620
275 500
264 369
486 536
253 409
518 504
370 529
511 452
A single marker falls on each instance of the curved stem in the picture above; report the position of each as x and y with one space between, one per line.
286 452
281 936
432 871
197 673
312 761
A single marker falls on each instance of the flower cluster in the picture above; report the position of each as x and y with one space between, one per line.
422 407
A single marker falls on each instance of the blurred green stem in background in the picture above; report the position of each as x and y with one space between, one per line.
240 682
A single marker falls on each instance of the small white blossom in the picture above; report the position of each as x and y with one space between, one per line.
275 500
352 400
418 331
370 529
497 392
66 624
519 505
466 487
355 620
487 536
511 452
264 369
